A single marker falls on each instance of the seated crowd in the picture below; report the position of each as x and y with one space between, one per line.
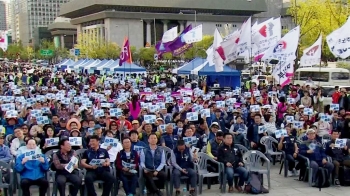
129 145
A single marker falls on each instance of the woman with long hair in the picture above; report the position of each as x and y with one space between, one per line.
134 106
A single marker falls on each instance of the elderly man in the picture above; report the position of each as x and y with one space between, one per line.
313 150
168 139
32 169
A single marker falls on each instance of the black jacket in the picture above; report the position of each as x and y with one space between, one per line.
229 154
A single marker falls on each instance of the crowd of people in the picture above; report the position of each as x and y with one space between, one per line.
101 123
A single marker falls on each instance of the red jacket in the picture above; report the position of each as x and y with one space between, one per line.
335 97
127 124
122 157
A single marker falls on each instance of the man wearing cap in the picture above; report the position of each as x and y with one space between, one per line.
213 145
135 125
220 120
10 123
313 150
214 128
62 131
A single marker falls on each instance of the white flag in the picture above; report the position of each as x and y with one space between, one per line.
265 35
194 35
169 35
339 41
285 48
244 42
218 61
229 46
210 55
284 72
3 40
312 55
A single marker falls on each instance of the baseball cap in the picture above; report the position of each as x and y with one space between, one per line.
214 124
63 120
310 131
135 122
97 126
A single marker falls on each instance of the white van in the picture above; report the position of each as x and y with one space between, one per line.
323 76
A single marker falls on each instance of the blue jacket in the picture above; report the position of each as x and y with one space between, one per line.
317 155
5 154
138 143
152 162
11 128
184 159
32 169
169 140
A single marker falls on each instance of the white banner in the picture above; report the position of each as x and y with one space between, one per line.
283 72
218 61
265 35
339 41
194 35
169 35
244 43
285 48
312 55
3 40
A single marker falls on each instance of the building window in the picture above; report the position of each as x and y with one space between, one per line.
284 27
234 25
218 25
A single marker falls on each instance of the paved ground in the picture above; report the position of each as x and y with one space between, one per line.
279 186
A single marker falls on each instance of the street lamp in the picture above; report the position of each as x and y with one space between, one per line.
154 28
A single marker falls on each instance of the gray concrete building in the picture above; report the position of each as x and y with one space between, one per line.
29 15
145 21
3 15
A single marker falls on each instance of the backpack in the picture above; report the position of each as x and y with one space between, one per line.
254 185
322 178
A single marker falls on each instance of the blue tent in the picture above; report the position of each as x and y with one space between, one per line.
89 64
187 68
108 64
66 64
99 64
112 66
126 67
78 63
227 77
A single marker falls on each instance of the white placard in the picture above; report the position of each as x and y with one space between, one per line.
128 165
261 129
340 143
334 107
190 140
32 155
75 141
205 112
138 149
109 141
52 141
308 111
290 119
70 166
192 116
281 132
290 100
298 124
150 119
97 162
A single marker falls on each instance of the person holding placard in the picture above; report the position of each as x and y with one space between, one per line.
65 163
289 145
32 170
127 164
152 160
182 162
112 148
254 133
339 154
96 162
49 133
323 126
313 150
318 101
168 139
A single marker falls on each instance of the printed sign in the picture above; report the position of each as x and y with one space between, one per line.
97 162
52 141
109 141
261 129
281 132
70 166
334 107
190 140
32 155
340 143
75 141
192 116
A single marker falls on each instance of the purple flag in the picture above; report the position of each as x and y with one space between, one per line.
179 46
162 48
125 53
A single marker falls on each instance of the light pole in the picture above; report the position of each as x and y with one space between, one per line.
154 28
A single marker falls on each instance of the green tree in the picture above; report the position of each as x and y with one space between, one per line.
14 51
147 55
199 48
317 17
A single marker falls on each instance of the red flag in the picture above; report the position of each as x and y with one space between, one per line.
125 54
